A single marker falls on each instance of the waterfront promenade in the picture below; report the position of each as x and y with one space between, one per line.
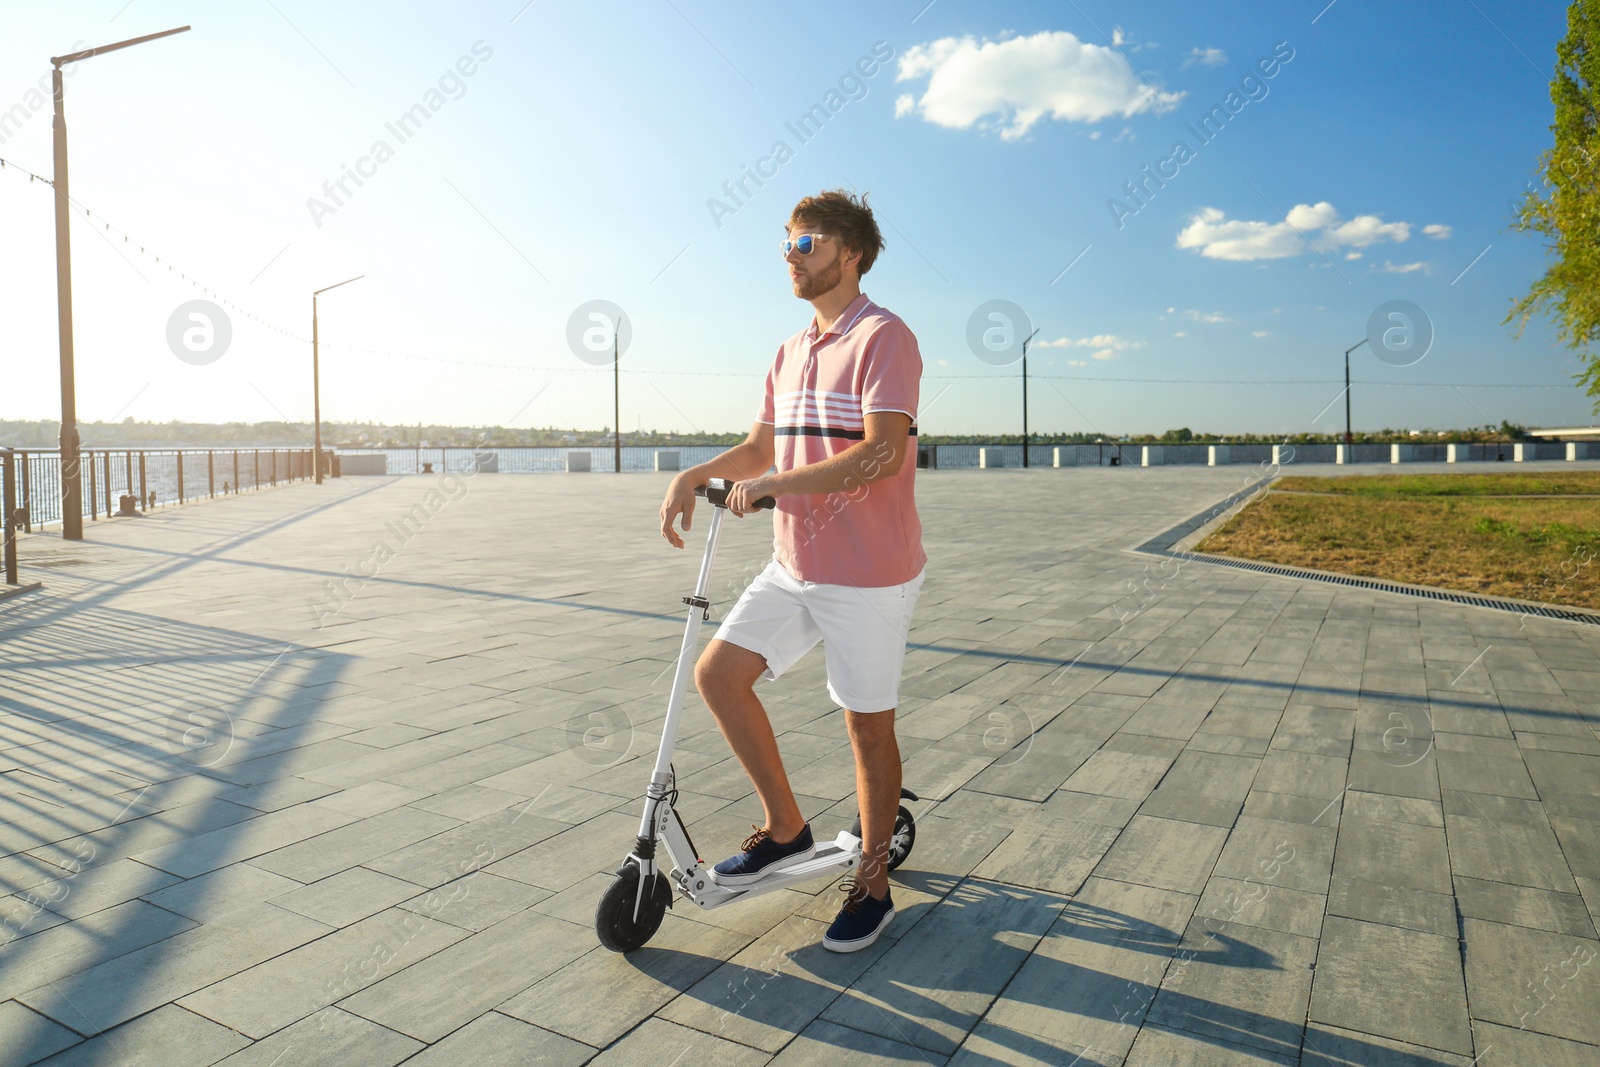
335 775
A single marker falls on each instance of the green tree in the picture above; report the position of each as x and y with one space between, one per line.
1567 209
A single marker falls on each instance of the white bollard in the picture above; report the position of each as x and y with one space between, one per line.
990 457
1217 455
1151 455
1402 453
1341 454
1067 456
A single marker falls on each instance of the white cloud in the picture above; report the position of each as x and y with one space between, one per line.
1206 57
1259 333
1400 268
904 104
1352 255
1012 84
1365 230
1181 333
1077 363
1108 353
1105 341
1122 41
1219 237
1437 231
1312 216
1109 340
1213 317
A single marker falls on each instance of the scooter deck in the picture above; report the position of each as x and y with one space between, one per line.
842 854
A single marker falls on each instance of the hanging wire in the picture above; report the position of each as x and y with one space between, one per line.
243 312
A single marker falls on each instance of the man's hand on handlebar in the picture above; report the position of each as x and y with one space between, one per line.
742 499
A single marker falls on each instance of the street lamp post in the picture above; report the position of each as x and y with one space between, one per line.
1025 341
616 394
71 475
1347 352
316 385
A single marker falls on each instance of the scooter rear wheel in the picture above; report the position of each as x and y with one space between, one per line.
901 840
614 920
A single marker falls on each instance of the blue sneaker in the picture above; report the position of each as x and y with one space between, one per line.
760 856
860 921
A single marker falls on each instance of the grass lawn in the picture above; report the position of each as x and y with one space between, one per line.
1411 486
1526 535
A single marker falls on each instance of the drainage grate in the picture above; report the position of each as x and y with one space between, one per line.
1161 545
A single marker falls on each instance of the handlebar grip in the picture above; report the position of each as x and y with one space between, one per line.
717 493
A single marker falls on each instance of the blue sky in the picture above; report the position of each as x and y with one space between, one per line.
578 152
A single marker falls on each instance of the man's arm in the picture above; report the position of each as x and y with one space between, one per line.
879 455
750 458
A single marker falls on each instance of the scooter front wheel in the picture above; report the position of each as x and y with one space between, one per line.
614 919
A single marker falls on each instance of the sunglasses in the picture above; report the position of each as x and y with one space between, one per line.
803 244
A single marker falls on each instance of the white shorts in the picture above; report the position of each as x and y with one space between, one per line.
863 632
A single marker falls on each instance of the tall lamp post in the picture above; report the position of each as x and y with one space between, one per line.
616 394
1025 341
1347 352
316 386
71 475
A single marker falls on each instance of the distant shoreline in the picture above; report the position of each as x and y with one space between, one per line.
17 433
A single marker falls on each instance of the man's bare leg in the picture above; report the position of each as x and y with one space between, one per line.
877 791
726 676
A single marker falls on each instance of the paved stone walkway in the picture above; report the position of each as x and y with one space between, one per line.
336 776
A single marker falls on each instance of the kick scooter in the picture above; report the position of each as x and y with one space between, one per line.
636 901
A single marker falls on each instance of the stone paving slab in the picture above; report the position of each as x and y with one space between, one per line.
170 1036
1401 984
255 809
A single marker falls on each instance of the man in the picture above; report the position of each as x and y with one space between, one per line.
838 420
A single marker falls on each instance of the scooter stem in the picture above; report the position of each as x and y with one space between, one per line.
661 777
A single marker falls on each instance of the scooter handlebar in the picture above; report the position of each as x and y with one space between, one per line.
717 493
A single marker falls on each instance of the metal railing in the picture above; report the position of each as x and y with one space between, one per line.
148 477
530 459
8 510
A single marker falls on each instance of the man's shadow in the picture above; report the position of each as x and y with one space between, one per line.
941 950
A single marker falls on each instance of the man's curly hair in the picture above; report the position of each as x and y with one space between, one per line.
846 216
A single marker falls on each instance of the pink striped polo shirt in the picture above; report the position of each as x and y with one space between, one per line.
818 390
